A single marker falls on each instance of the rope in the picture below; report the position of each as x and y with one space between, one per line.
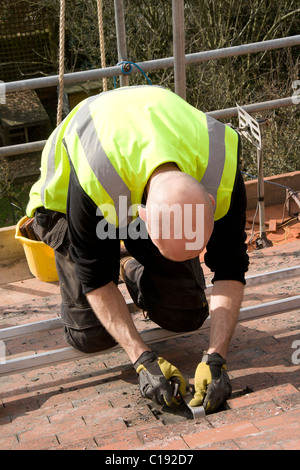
127 68
126 64
61 61
101 41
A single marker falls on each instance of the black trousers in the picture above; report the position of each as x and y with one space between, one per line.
171 292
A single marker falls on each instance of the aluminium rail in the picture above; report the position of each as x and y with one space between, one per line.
217 114
146 66
150 336
156 64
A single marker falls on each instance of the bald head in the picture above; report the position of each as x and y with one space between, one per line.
179 214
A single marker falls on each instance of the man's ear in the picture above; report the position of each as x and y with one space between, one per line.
212 199
143 213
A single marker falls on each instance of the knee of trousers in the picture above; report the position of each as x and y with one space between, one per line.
178 320
89 340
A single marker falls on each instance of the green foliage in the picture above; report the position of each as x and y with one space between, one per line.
6 180
13 197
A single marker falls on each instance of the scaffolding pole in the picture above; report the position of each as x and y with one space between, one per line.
179 47
121 37
168 62
217 114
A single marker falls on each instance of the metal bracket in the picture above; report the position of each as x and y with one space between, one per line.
249 127
293 207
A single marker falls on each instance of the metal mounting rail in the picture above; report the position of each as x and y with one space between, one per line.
151 336
20 149
44 325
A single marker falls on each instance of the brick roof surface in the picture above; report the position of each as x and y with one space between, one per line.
94 403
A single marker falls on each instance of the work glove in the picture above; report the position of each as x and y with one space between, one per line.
212 384
159 380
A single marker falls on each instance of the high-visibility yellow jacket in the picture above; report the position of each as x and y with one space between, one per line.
116 139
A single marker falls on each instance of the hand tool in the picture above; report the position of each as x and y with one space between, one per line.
197 411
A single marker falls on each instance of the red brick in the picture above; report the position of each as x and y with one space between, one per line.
232 431
272 225
90 427
280 351
41 443
118 441
271 439
137 418
254 378
261 396
289 403
261 441
85 444
50 430
224 418
286 374
22 423
224 445
158 432
259 411
279 421
74 434
130 399
110 420
9 442
83 407
67 396
23 404
288 336
174 444
93 402
4 420
35 379
93 420
250 413
290 445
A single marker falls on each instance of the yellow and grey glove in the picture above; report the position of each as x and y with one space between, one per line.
159 380
212 383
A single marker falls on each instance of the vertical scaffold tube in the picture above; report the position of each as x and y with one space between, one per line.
179 47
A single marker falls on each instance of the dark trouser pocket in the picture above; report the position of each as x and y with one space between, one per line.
83 330
51 227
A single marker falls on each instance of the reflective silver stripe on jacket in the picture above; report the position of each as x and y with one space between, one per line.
50 165
99 162
217 153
